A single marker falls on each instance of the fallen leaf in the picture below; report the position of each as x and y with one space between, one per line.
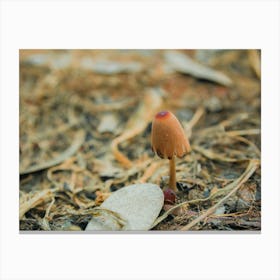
134 207
184 64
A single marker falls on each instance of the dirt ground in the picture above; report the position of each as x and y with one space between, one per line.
85 129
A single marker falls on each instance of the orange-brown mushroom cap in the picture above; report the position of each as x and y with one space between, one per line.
168 137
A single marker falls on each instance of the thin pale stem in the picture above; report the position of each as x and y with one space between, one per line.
172 174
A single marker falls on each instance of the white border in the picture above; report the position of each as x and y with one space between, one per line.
157 24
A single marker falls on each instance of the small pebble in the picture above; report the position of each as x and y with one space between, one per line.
213 104
108 123
219 211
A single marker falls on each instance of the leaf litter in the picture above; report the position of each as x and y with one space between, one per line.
85 133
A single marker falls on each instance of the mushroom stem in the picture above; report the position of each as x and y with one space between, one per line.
172 174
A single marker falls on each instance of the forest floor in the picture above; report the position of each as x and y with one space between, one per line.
85 130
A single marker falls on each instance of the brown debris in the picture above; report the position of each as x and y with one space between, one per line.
85 132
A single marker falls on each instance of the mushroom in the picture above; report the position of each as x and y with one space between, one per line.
168 141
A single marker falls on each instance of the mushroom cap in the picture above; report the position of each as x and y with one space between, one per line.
168 137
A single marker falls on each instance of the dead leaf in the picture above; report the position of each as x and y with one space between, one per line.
184 64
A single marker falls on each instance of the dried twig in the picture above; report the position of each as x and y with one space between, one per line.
78 141
138 122
255 61
244 132
37 198
196 117
216 156
251 168
150 171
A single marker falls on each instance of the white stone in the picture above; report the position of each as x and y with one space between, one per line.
108 123
134 207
